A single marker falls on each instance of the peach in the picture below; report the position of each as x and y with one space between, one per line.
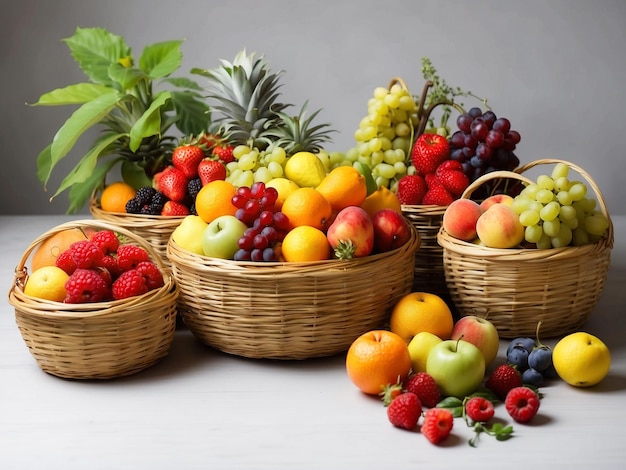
460 218
496 199
499 227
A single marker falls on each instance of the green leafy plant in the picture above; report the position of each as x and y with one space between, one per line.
120 98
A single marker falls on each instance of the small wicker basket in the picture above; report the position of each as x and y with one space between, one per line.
517 288
100 340
289 310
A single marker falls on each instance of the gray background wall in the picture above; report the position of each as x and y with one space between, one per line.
555 68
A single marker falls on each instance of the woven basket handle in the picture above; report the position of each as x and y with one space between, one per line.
492 175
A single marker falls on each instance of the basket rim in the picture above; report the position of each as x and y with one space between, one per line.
137 220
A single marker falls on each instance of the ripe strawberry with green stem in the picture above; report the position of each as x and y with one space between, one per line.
428 152
211 170
186 158
224 152
173 183
411 189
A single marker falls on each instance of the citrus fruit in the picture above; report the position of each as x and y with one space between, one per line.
284 187
307 206
47 253
115 196
382 198
215 199
305 169
305 243
377 358
47 282
344 186
421 311
581 359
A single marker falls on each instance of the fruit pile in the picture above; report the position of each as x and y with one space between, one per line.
94 269
429 370
552 212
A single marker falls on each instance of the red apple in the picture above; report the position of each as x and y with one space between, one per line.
391 230
481 333
352 226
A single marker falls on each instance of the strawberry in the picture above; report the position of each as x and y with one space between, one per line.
453 165
174 208
454 181
211 170
428 152
411 189
437 424
522 404
173 183
404 411
504 378
479 409
425 387
186 158
224 153
437 195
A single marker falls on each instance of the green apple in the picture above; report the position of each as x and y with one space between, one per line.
188 234
457 366
420 347
220 237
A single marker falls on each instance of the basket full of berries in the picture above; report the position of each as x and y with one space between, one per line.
97 303
538 254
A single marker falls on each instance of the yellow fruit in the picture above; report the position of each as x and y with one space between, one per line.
305 169
47 253
344 186
419 348
581 359
305 243
115 196
380 199
307 206
421 311
48 283
188 235
215 199
284 187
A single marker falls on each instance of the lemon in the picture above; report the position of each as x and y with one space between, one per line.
419 348
305 169
188 234
581 359
284 187
48 283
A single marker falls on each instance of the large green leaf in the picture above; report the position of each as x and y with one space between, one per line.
80 193
95 49
149 123
44 165
193 113
161 59
134 175
183 82
72 94
126 77
82 119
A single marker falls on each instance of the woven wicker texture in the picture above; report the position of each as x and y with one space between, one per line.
97 340
289 310
517 288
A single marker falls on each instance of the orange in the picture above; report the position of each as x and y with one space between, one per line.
47 253
305 243
115 196
215 200
344 186
421 311
284 187
380 199
377 358
307 206
47 282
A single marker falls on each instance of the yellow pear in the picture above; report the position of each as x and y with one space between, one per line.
188 234
419 348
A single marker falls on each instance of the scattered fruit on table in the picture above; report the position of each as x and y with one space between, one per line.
581 359
503 379
522 404
425 387
404 411
437 425
421 311
481 333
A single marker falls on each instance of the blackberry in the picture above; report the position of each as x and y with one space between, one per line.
151 209
133 206
144 194
193 187
159 198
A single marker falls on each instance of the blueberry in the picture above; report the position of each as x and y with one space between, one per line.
550 372
540 358
518 356
532 377
527 343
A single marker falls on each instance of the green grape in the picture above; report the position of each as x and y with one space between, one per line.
530 191
580 236
544 243
263 174
529 218
241 150
550 211
596 224
400 168
560 170
564 198
275 169
578 191
562 184
563 238
402 129
533 233
551 227
248 161
544 196
567 212
521 203
385 170
545 182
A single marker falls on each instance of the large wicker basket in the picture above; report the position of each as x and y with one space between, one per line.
97 340
289 310
517 288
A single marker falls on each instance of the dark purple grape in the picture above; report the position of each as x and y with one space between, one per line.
239 201
242 255
241 215
494 139
281 221
475 112
470 141
260 242
469 152
489 117
269 254
484 152
270 196
244 191
479 129
457 139
253 208
256 255
270 233
514 136
501 124
457 154
251 232
477 162
266 218
508 145
463 122
258 189
245 242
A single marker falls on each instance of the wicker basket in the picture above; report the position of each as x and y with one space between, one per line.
97 340
155 229
517 288
289 310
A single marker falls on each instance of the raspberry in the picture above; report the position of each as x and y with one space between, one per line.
86 285
66 263
129 256
503 379
129 284
404 411
109 262
522 404
437 424
151 273
86 254
424 386
479 409
106 240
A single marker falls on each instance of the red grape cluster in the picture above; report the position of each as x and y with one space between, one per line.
267 226
484 143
